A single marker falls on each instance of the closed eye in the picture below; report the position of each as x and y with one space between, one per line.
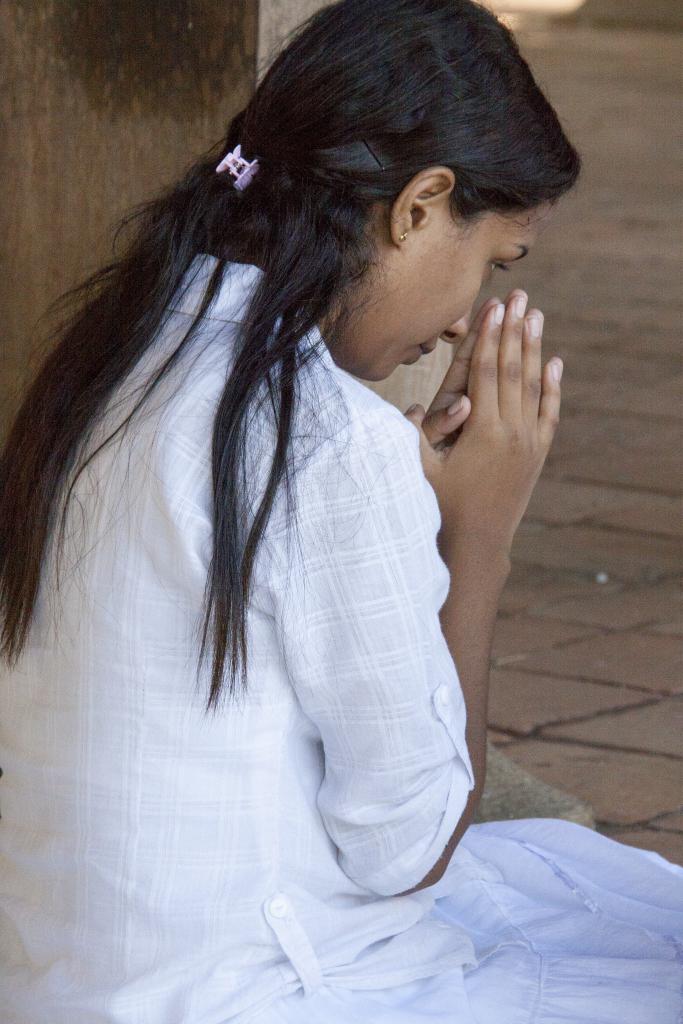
500 266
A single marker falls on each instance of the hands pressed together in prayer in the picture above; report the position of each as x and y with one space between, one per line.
484 459
441 425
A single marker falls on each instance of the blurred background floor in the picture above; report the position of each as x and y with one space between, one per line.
587 678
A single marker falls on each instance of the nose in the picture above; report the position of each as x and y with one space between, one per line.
458 330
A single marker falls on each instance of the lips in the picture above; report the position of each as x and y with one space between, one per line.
422 350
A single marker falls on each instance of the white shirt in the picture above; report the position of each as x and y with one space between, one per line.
159 865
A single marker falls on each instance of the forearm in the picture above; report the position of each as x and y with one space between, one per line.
468 618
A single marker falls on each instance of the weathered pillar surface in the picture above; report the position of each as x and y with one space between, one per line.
101 105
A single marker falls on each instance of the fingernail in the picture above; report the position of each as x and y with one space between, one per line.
452 409
520 305
499 313
557 367
535 323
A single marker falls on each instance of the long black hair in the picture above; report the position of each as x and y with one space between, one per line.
365 94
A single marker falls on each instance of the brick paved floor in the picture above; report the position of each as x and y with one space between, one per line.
587 676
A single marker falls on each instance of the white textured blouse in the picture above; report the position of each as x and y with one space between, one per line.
159 865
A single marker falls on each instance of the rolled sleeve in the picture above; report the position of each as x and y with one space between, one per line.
358 618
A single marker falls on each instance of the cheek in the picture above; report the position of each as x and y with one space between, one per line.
464 289
465 273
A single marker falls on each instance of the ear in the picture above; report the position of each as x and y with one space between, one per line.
427 189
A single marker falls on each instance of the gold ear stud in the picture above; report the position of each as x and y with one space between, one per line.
403 237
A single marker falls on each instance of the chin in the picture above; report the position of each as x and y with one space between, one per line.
373 374
370 373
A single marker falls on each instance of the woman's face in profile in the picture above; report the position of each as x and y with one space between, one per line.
427 284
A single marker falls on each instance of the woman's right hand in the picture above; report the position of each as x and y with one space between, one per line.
483 482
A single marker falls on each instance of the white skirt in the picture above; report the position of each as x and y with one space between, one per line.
570 927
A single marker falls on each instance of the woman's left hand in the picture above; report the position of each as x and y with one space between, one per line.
440 426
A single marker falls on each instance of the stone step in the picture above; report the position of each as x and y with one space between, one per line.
511 792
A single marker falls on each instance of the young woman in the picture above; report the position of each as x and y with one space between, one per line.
248 605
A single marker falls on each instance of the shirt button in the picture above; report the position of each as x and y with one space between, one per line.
443 696
278 906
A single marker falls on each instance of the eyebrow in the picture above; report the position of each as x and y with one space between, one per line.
522 254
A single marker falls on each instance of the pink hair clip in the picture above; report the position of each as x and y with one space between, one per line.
242 170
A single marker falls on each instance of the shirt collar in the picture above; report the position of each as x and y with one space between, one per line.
232 299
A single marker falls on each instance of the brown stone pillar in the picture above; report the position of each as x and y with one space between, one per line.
102 104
